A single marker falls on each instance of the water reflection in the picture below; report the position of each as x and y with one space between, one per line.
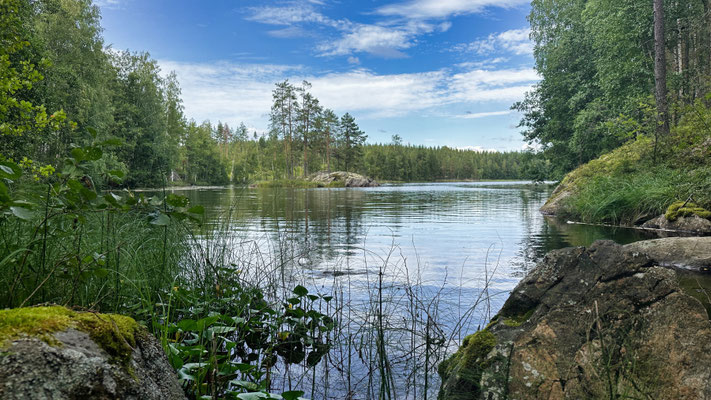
443 226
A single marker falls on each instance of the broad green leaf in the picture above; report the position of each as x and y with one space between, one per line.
78 154
117 173
10 170
252 396
292 395
197 210
161 220
22 213
112 142
301 291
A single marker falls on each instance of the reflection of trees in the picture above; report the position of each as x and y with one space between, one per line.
544 234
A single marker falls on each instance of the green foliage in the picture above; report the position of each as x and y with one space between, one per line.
228 341
595 58
630 185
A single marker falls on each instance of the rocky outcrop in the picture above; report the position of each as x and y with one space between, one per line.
600 322
555 205
348 179
56 353
692 224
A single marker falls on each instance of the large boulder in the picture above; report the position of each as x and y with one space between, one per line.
347 179
56 353
600 322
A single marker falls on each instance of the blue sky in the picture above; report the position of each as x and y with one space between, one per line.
436 72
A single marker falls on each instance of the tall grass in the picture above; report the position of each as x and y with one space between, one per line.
638 196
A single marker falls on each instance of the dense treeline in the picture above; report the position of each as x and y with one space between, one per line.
597 62
73 84
265 159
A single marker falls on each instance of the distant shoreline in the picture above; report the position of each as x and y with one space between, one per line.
248 185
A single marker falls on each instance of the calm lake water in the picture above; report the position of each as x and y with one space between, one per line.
437 260
442 229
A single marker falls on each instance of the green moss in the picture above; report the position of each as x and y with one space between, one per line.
685 209
517 320
470 355
116 334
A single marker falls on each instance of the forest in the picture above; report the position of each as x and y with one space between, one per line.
597 62
70 82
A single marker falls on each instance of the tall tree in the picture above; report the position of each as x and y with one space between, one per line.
282 119
352 139
329 126
309 111
660 72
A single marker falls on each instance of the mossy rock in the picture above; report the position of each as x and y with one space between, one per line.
461 373
115 334
52 352
685 209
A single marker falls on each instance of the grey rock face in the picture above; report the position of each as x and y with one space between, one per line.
77 368
600 322
349 179
693 224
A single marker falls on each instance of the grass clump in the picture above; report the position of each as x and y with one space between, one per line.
685 209
116 334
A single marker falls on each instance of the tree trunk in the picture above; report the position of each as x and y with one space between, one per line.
660 72
328 151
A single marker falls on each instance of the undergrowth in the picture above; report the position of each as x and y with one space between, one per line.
640 181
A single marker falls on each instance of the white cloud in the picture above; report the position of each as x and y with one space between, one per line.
288 32
426 9
379 40
242 92
515 41
471 115
294 13
353 60
387 39
109 3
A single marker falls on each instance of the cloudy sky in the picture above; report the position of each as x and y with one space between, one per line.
435 72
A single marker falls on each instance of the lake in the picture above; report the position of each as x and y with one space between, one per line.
434 260
440 226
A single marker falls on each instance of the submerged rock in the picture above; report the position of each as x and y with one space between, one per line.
56 353
348 179
600 322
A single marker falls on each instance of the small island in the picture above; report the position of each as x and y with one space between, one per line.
337 179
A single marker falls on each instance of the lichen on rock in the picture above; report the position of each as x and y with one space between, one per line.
55 353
